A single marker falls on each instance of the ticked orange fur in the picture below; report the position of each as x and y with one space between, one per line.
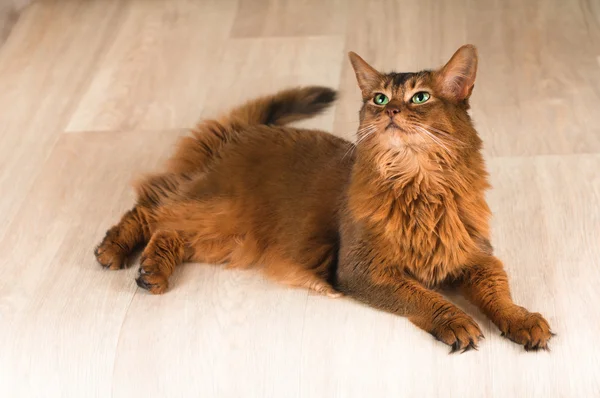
385 220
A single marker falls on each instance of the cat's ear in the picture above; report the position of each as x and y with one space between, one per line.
457 78
368 78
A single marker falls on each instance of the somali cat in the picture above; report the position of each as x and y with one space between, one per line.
385 220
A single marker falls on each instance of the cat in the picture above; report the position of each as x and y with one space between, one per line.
386 220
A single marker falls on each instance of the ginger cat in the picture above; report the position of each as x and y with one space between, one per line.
385 220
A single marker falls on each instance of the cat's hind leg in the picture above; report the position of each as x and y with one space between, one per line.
134 229
163 253
295 275
122 239
313 282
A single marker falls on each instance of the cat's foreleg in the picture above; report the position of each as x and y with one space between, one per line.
486 285
425 308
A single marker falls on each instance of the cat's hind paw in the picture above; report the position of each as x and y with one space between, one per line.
110 255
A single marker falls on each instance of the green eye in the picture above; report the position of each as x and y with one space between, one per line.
420 97
380 99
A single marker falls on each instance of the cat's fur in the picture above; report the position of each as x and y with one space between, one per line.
385 220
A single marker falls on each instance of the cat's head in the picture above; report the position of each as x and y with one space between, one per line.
421 112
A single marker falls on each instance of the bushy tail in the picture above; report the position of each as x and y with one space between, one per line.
285 106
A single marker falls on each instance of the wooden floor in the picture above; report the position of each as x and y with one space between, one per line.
93 93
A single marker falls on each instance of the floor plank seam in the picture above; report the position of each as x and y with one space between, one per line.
134 131
112 389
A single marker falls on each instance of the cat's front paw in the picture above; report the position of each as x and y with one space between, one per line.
459 331
530 330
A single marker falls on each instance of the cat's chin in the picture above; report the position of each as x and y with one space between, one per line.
397 129
392 127
398 140
402 139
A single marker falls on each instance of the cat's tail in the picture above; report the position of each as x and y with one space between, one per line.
285 106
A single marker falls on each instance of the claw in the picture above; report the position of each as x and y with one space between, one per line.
471 345
143 284
455 347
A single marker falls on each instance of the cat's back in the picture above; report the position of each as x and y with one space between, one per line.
300 150
276 161
276 141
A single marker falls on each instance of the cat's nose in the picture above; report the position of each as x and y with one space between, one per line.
392 110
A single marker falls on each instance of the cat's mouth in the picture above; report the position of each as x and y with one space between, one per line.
392 126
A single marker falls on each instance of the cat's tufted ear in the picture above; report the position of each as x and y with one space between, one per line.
457 78
368 78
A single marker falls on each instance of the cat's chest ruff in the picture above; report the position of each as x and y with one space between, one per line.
414 219
432 244
424 236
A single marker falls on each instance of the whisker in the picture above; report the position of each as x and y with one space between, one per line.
367 129
446 134
349 151
364 137
443 132
353 132
436 140
362 134
433 138
359 132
